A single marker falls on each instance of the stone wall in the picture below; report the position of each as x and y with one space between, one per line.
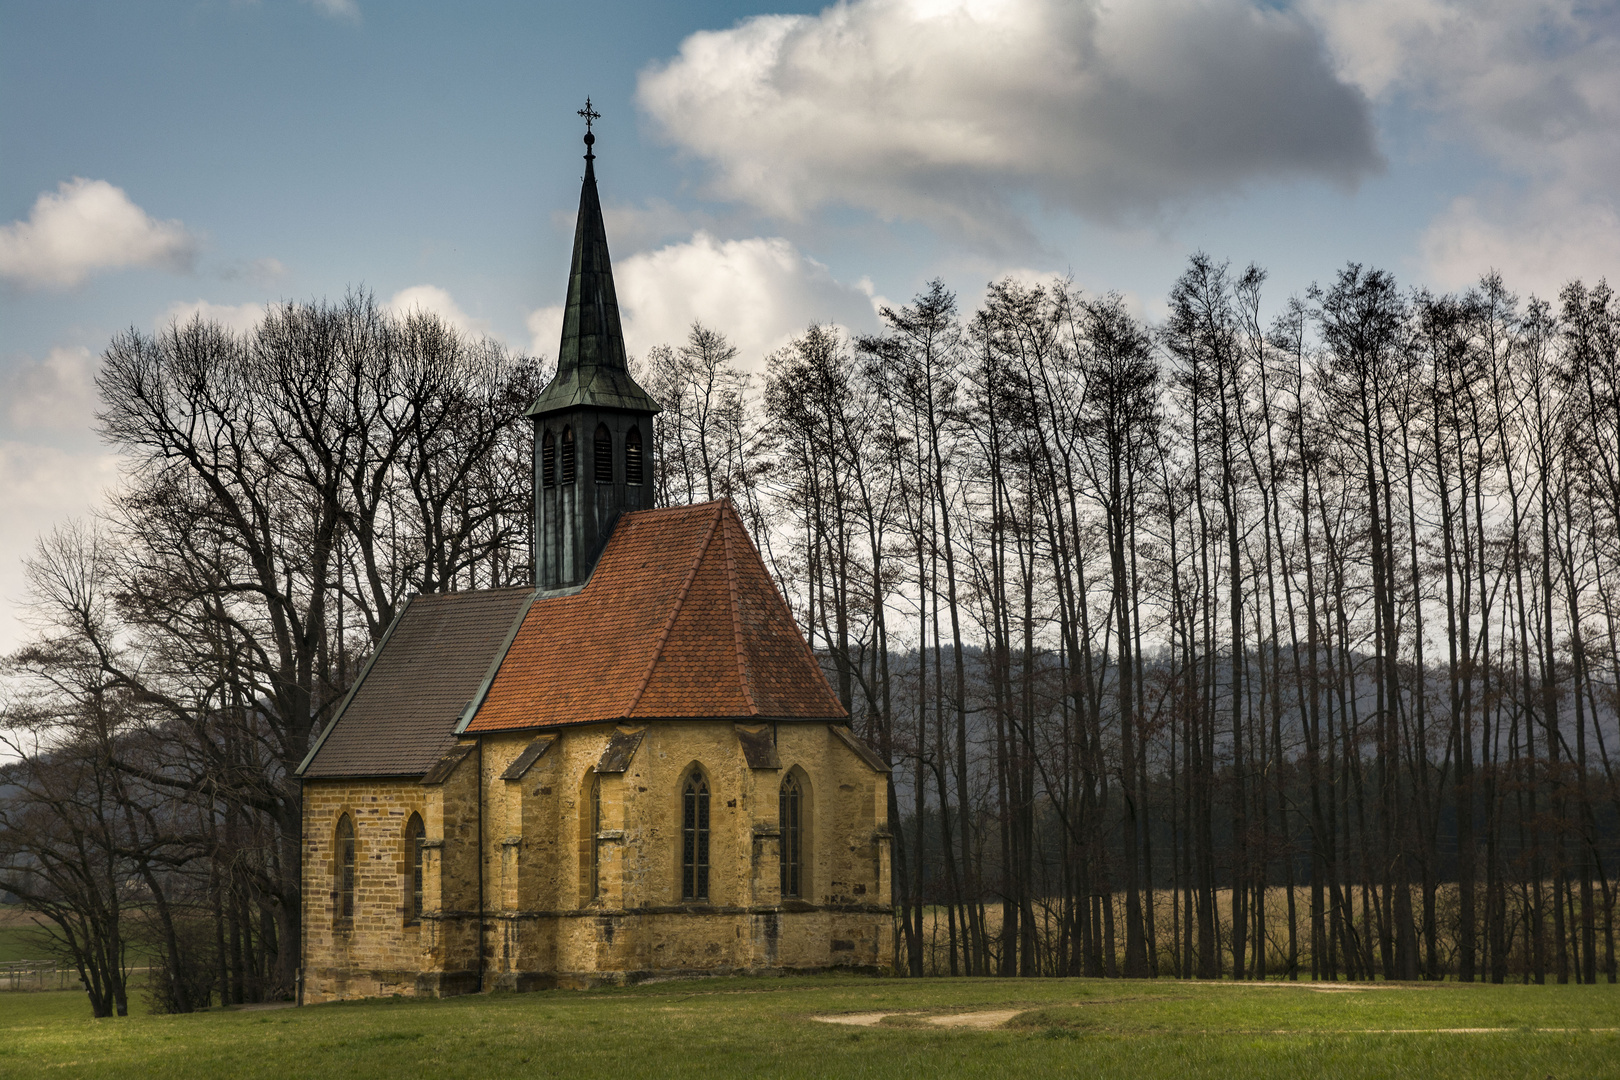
378 950
532 855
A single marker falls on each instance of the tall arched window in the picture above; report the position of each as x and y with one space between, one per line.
548 460
595 820
602 451
568 455
343 898
695 838
415 834
790 817
632 457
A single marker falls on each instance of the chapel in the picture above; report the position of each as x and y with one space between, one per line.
634 767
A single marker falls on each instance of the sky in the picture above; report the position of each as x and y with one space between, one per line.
762 165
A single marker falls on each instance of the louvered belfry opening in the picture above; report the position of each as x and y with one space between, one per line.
592 396
632 457
602 448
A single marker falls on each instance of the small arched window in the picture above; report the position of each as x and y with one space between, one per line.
602 451
695 838
343 898
790 804
548 460
632 457
415 835
568 455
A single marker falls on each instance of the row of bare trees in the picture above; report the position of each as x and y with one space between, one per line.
1290 642
285 491
1235 645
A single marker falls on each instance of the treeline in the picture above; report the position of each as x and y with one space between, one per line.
284 492
1161 625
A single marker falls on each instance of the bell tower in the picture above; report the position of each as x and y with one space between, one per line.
592 423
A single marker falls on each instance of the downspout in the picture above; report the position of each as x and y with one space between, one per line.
303 906
479 779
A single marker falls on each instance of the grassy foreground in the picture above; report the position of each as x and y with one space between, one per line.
764 1027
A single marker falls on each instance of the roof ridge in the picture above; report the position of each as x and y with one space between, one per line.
674 613
679 508
736 617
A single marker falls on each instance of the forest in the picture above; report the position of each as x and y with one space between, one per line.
1256 639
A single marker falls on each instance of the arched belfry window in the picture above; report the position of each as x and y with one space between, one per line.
343 870
790 804
695 838
415 837
602 450
568 455
548 460
632 457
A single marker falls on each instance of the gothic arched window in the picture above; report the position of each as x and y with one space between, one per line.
594 825
548 460
568 455
415 836
632 457
603 452
343 893
790 818
695 838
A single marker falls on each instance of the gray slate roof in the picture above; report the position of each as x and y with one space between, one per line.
400 716
592 366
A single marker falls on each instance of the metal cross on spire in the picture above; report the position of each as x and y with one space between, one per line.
589 114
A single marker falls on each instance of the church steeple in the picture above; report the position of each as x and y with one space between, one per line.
592 422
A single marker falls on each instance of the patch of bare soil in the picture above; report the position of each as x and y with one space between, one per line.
993 1018
854 1019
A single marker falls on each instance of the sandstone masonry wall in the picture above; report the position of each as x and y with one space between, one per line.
533 850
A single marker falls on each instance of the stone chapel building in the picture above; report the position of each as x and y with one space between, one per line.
635 767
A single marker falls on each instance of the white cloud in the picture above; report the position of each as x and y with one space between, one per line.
945 111
760 292
635 228
57 393
545 330
1539 242
1532 84
40 487
85 226
343 10
238 317
436 301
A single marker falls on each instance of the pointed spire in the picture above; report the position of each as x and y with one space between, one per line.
591 361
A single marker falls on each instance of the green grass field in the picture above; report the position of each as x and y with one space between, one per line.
768 1027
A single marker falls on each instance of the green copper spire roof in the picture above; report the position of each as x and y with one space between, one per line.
591 362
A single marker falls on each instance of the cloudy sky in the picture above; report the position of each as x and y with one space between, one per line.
764 165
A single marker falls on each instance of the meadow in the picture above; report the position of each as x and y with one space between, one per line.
839 1026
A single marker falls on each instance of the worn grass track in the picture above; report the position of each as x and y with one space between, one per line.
767 1027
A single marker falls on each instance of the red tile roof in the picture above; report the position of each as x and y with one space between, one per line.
680 619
